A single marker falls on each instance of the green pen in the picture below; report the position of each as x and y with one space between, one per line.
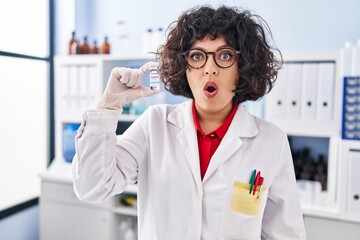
252 180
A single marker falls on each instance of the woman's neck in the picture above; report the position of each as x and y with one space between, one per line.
210 121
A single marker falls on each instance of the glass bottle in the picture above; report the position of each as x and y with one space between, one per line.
154 78
71 42
95 49
106 46
85 48
75 48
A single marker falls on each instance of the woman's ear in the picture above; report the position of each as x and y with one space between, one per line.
237 81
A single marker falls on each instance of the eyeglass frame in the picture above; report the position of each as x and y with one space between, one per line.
237 52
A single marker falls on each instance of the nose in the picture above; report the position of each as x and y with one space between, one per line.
210 67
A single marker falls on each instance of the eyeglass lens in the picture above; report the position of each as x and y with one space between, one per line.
224 58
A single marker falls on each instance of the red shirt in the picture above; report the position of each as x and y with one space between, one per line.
209 143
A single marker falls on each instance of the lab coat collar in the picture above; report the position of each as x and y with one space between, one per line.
242 126
181 117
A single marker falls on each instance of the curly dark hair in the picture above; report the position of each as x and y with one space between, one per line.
249 33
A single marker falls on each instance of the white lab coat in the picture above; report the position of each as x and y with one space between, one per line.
160 152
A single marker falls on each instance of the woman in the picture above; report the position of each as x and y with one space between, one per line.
206 168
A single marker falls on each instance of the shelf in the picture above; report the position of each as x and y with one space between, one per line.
92 58
355 218
128 117
307 127
58 171
132 188
310 55
128 211
319 211
124 209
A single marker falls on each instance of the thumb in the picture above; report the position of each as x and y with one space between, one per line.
146 67
138 74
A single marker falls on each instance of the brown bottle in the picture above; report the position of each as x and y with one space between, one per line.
71 42
106 46
85 48
95 49
75 48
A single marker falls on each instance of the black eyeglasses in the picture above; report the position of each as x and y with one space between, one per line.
224 57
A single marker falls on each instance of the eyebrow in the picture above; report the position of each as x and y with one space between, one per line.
220 47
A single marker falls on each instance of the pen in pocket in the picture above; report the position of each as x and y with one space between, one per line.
256 184
252 180
261 181
256 180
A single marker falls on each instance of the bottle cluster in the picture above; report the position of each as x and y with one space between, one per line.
310 168
84 47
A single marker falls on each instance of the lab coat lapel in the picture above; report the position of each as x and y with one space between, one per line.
181 117
242 126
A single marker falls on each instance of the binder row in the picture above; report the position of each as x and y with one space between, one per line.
351 108
303 91
78 89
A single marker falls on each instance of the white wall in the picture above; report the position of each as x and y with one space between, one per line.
64 24
296 25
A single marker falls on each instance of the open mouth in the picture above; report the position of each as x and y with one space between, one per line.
210 89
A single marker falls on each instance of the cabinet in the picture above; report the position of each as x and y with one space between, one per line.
350 178
306 103
64 216
79 84
330 229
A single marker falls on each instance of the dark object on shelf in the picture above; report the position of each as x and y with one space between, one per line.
310 168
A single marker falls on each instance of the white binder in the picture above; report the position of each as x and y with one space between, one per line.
293 96
275 100
353 193
309 91
63 94
73 84
326 84
83 85
95 87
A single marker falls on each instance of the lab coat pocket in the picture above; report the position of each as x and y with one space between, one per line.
245 202
243 212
